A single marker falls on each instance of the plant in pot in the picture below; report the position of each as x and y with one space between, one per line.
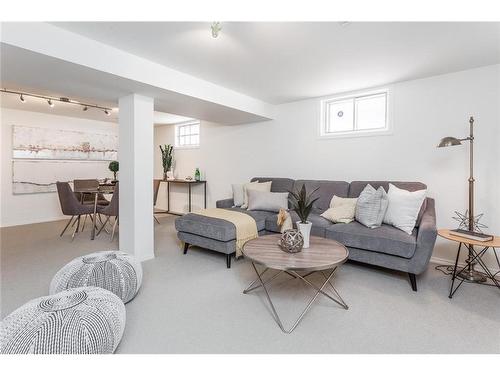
114 166
167 159
302 204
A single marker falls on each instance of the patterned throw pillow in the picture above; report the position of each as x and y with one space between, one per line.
371 206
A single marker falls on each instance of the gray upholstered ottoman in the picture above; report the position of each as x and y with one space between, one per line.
76 321
207 232
214 234
116 271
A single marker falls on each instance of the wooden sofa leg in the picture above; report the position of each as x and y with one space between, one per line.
413 281
228 260
186 245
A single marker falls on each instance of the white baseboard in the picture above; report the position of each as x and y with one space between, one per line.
448 262
29 221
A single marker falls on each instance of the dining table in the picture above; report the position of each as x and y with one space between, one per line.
103 188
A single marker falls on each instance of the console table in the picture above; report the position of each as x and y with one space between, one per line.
189 183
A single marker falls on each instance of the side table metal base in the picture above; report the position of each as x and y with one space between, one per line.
468 273
319 290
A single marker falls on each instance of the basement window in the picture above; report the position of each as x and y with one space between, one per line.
187 134
355 115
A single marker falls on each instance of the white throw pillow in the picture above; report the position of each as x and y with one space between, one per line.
403 208
238 195
342 210
260 186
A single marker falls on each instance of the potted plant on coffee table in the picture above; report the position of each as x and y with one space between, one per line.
302 204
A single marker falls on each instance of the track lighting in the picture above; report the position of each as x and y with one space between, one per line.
51 99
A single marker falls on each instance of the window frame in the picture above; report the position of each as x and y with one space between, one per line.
354 133
178 126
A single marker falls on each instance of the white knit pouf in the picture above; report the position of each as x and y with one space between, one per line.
115 271
85 320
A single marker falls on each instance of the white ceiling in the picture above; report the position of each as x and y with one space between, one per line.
25 70
282 62
64 109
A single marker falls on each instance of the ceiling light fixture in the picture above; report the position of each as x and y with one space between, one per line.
216 28
51 99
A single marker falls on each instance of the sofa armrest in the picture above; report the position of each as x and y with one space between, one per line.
225 203
426 238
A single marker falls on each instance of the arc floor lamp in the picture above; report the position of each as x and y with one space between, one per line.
469 272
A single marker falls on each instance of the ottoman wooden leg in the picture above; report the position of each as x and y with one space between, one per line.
186 245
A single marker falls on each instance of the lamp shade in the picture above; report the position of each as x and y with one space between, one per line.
449 141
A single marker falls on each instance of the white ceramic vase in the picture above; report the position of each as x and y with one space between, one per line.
305 229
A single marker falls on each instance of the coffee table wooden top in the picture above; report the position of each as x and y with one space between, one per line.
445 233
322 254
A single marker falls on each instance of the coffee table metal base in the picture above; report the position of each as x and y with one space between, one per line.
319 290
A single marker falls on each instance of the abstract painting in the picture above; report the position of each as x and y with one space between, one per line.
40 176
46 143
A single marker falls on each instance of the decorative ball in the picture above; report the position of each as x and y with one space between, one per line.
86 320
115 271
291 241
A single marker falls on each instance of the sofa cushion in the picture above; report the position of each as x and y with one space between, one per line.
326 191
385 239
319 224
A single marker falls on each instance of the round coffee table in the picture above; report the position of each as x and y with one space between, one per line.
322 255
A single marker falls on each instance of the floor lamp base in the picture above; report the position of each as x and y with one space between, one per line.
473 276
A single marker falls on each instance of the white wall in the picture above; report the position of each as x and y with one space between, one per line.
423 111
34 208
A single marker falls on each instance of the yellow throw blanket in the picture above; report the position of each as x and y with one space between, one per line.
246 227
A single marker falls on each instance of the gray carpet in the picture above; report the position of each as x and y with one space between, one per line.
193 304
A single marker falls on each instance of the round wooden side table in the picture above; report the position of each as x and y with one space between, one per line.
475 257
323 255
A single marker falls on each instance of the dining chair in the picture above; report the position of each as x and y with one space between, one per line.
156 188
110 210
70 206
89 198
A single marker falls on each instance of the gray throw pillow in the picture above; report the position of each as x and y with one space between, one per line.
371 206
266 201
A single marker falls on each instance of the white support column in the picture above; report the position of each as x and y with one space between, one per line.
136 176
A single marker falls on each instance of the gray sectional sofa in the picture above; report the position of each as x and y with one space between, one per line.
386 246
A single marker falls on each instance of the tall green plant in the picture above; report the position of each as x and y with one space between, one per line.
302 203
167 157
